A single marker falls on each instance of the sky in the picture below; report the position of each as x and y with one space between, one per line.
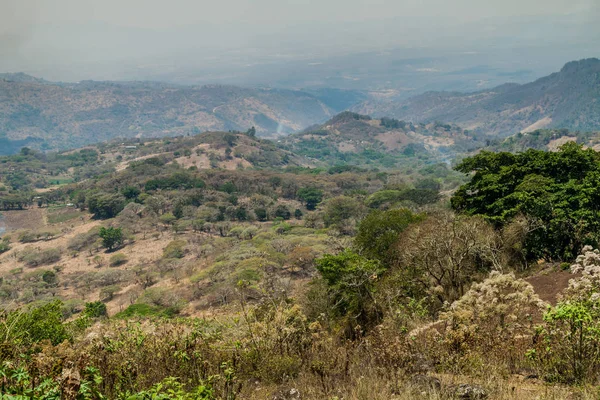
116 39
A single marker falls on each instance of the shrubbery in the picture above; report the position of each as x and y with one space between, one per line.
118 259
34 258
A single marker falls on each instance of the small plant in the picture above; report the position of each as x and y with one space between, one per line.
118 259
98 261
4 246
175 249
95 309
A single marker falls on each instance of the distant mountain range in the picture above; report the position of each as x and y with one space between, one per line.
54 116
566 99
57 116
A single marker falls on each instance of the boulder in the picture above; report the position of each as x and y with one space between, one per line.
469 392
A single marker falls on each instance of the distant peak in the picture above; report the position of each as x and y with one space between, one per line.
346 116
575 66
20 77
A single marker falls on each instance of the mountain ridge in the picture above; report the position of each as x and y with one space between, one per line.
568 99
59 116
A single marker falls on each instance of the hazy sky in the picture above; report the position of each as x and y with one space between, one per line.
82 38
168 13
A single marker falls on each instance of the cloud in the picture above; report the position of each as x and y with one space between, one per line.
86 39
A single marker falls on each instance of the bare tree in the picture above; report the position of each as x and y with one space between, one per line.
446 252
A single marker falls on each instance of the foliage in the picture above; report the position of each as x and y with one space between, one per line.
104 205
560 189
146 310
380 230
131 192
442 255
569 338
95 309
340 210
171 389
351 279
178 180
25 327
495 317
111 237
175 249
310 196
4 246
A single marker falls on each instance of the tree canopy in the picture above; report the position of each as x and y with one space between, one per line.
559 190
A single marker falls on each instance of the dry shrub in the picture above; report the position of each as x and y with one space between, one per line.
493 324
445 253
33 257
568 349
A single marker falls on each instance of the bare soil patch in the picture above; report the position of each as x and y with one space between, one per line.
548 285
31 218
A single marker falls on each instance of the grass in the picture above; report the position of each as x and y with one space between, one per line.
63 215
145 311
60 181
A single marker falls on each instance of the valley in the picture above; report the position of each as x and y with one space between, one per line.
353 256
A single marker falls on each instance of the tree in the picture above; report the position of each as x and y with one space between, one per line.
251 132
442 255
131 192
341 209
380 230
95 309
175 249
50 277
311 196
559 191
261 213
105 205
301 258
350 279
282 211
111 237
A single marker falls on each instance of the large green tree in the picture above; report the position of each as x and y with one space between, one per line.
311 196
380 230
111 237
559 190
